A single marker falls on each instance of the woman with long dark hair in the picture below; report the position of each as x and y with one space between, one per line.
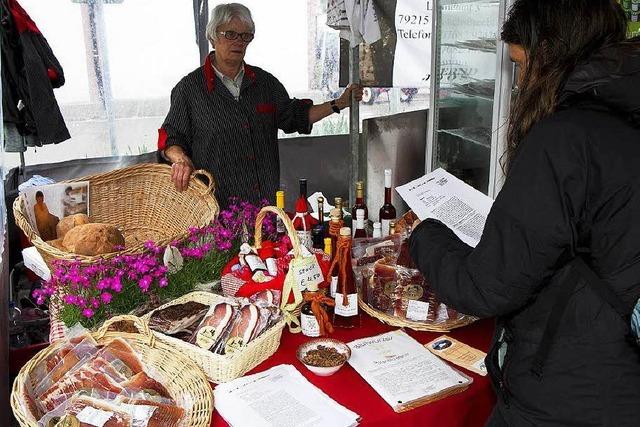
559 260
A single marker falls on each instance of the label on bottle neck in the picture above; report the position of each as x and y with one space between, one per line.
349 310
305 238
333 288
309 325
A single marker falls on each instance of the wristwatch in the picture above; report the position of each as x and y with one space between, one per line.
334 107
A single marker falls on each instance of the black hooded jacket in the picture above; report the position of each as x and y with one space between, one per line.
575 183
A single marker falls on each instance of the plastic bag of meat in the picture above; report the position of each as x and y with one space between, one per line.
78 348
215 324
267 297
165 411
178 318
98 409
245 327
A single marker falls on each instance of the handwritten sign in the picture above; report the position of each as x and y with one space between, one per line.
308 274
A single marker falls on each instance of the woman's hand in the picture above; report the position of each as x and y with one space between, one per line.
345 99
181 171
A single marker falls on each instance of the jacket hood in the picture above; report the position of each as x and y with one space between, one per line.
610 79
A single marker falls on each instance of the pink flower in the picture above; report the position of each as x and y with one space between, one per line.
163 283
116 284
106 297
88 313
70 299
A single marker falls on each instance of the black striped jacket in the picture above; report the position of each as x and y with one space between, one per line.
234 140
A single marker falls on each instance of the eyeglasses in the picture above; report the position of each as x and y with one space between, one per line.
232 35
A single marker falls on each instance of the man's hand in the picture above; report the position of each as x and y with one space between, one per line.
181 171
345 99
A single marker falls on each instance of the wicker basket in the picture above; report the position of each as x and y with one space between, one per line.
182 378
230 284
142 202
445 326
222 368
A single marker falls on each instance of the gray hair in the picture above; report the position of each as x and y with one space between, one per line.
223 14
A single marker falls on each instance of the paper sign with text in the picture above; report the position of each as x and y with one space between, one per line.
459 354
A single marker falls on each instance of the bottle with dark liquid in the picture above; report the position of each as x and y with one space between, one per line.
360 231
317 234
335 224
308 322
321 214
346 313
280 228
387 211
360 204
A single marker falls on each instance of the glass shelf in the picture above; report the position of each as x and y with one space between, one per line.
478 135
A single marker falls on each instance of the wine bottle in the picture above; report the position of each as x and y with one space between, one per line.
321 214
281 231
360 203
345 314
387 211
308 322
303 222
317 235
360 231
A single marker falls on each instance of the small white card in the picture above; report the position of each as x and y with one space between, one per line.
417 310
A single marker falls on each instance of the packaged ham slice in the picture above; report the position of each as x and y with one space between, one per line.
86 411
79 347
215 324
143 382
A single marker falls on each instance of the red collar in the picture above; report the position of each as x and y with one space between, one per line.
21 19
210 74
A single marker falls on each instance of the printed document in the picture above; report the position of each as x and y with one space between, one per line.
404 373
279 397
442 196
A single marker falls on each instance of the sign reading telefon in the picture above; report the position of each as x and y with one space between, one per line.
412 62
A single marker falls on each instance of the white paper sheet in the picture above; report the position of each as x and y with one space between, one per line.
450 200
279 397
401 370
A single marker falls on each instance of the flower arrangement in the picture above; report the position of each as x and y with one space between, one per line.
90 294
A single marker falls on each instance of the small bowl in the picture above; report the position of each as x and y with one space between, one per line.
323 371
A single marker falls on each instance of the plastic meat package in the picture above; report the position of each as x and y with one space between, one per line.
100 386
390 283
234 322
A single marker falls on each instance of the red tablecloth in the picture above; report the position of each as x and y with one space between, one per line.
469 408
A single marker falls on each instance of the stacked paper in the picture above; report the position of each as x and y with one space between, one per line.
279 397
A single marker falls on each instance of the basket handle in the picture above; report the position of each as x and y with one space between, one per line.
140 324
210 180
291 232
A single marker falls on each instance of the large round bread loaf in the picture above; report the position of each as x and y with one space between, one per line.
93 239
68 222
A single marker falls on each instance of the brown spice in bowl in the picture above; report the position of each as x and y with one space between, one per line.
324 357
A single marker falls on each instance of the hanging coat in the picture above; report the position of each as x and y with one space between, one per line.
30 72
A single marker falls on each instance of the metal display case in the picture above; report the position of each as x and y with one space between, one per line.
471 87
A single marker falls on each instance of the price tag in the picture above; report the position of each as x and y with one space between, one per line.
93 416
172 259
417 310
307 272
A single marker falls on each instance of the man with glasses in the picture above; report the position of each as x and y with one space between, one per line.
225 115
